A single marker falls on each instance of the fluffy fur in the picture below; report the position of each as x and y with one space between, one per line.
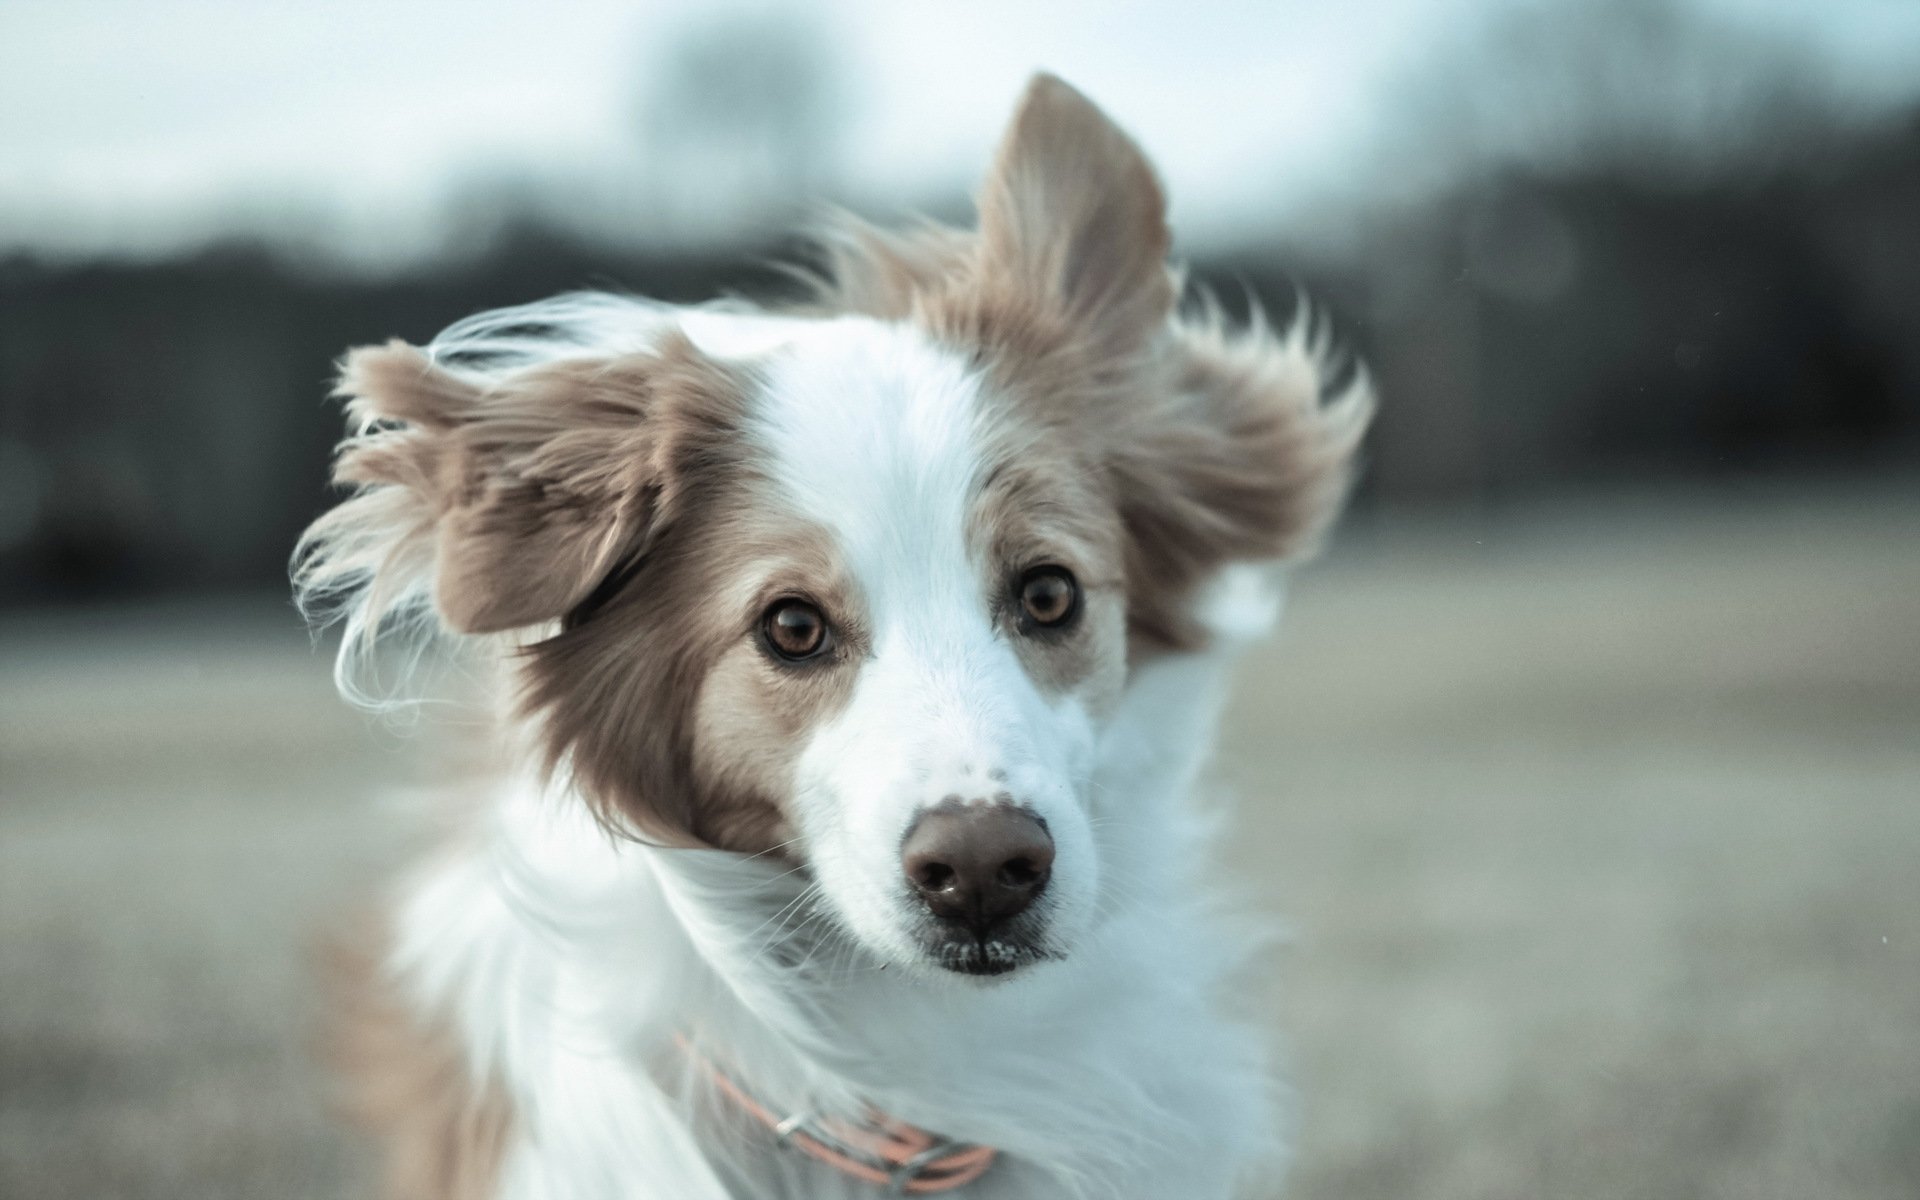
596 497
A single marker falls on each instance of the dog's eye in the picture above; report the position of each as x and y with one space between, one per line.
1049 597
794 630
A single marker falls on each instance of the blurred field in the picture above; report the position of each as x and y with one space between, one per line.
1599 832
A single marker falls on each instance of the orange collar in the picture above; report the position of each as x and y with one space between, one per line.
903 1158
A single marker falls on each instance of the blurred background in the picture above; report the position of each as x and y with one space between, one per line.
1586 772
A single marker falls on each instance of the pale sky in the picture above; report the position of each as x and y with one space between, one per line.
146 125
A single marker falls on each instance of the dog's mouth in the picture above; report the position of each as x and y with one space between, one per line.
955 948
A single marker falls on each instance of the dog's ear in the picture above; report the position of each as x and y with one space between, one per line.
1245 457
527 490
1072 216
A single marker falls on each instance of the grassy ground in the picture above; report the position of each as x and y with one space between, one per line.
1598 832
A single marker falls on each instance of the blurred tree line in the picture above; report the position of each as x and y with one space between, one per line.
1721 278
1645 242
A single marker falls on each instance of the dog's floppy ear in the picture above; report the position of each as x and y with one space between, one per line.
525 491
1245 457
1072 215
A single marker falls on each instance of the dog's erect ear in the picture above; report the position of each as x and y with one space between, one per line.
526 491
1072 215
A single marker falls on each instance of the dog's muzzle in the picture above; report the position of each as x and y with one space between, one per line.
977 868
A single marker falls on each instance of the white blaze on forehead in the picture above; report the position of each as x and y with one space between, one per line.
871 431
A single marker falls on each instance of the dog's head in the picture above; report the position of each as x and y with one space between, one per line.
861 585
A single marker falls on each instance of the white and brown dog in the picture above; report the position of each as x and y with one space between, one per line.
855 660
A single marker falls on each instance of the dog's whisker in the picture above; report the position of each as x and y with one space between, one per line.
779 918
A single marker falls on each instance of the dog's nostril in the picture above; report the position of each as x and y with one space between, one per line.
932 876
1018 872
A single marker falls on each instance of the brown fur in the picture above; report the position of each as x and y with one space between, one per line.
618 497
531 491
752 714
1213 447
1238 460
443 1132
1041 504
662 701
1073 225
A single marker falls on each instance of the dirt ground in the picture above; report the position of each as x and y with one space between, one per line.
1597 832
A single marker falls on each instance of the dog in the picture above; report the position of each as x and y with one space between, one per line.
853 661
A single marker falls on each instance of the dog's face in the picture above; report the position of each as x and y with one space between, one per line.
945 642
861 588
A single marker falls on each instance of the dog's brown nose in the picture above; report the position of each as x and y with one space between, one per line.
978 864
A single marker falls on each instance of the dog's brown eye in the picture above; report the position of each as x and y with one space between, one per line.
1049 596
794 630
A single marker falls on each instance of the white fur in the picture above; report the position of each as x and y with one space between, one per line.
873 434
571 960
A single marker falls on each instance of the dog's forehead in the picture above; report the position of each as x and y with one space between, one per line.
872 430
